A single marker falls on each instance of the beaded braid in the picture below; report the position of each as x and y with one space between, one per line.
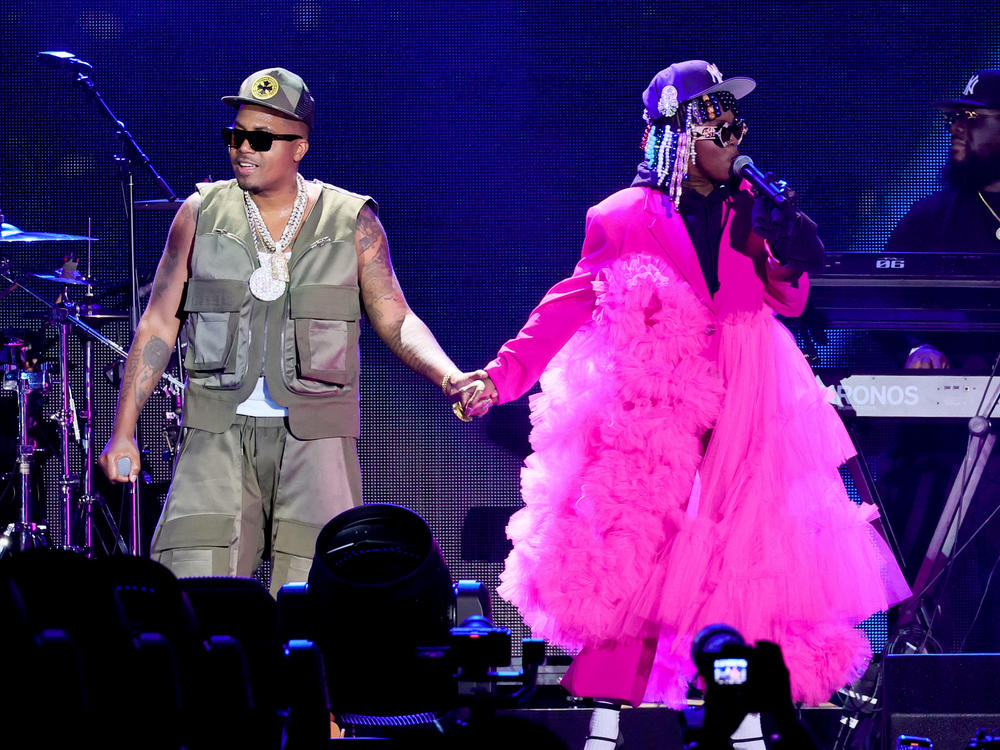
710 106
667 143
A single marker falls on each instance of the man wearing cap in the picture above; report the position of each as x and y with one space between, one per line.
270 272
965 215
685 465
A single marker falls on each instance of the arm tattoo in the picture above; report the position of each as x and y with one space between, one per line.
378 279
171 259
143 372
369 230
404 333
165 273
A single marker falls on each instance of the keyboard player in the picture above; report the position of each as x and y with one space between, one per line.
965 215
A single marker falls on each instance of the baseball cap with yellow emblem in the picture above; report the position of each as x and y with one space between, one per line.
277 89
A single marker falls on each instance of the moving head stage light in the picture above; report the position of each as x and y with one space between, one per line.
401 646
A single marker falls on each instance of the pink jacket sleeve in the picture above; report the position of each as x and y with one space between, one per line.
567 306
785 295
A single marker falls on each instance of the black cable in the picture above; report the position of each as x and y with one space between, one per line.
989 579
951 558
982 601
855 707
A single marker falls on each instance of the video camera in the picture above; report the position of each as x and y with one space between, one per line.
740 680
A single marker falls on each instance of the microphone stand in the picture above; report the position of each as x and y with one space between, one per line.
129 158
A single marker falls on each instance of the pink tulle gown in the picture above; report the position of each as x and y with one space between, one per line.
635 535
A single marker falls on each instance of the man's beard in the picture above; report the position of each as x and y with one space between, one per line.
974 173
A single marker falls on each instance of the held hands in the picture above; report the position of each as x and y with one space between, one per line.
471 393
116 449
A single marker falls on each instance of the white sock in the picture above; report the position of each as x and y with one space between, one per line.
749 735
603 734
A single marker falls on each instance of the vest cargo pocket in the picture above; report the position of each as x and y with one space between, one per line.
322 347
217 333
210 341
320 338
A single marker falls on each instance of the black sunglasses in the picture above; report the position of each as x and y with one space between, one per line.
967 116
260 140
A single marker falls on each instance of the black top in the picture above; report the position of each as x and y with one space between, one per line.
951 220
702 216
703 219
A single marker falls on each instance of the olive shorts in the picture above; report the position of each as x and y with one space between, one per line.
231 490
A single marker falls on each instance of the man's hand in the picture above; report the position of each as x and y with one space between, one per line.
926 357
484 398
472 392
118 448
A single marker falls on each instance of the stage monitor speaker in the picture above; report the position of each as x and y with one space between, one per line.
945 697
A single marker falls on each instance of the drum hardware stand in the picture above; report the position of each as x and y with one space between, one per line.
62 315
82 425
66 418
24 533
88 500
129 156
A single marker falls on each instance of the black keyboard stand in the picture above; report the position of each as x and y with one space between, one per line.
868 492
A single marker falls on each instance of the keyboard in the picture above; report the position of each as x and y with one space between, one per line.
914 394
908 291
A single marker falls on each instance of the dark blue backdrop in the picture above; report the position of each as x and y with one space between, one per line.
484 129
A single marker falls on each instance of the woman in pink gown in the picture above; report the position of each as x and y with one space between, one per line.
685 465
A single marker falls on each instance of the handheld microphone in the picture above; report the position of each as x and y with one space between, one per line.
124 466
64 61
743 166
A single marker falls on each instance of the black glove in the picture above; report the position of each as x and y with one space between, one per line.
774 221
791 234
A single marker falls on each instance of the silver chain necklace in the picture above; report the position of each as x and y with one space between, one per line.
990 209
267 283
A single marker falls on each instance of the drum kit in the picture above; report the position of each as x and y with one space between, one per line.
75 308
79 503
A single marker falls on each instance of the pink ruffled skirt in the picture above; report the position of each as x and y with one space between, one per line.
632 531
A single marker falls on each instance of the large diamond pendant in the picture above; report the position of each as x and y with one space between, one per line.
264 286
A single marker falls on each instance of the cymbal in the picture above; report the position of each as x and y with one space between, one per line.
22 337
10 233
73 277
159 204
84 312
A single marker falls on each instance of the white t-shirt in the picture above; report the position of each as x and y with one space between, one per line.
260 404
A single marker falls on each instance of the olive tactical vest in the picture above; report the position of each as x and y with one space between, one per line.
305 343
